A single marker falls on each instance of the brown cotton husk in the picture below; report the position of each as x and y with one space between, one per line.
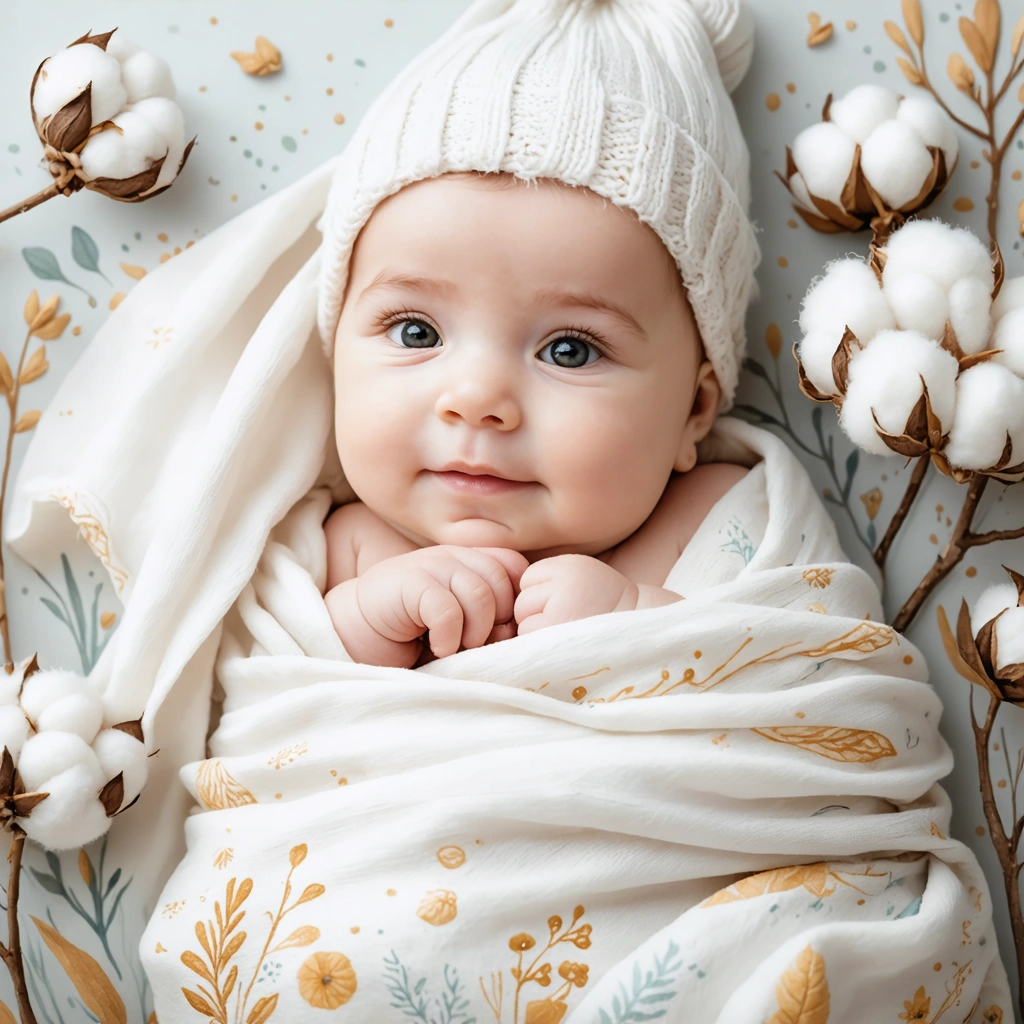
808 389
922 434
961 650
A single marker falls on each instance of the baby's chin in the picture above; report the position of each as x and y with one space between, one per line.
533 542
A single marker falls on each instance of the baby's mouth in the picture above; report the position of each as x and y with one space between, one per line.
466 479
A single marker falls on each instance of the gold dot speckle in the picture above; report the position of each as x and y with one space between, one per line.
791 223
980 830
479 842
388 23
277 796
330 56
975 165
772 102
970 572
258 126
339 118
995 746
305 131
392 892
76 330
908 659
800 714
234 199
851 25
330 91
579 693
213 21
354 929
287 99
1001 783
698 654
963 204
202 88
791 87
343 781
936 967
162 236
1016 175
933 539
860 903
783 262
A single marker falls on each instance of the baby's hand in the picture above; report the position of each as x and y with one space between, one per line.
461 595
568 587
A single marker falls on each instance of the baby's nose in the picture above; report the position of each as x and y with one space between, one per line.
480 400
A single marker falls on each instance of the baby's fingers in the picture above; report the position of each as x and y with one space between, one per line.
436 607
531 603
477 602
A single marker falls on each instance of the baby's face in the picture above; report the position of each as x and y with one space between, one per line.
515 367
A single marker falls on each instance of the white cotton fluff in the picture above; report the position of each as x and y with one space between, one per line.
886 377
863 109
1002 598
144 75
47 754
847 295
943 253
121 47
896 162
816 351
49 685
71 815
933 127
969 305
919 304
1009 336
800 193
119 752
13 730
112 154
990 602
1011 296
824 155
165 117
79 713
66 74
9 687
989 404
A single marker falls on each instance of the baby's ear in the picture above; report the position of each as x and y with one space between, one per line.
704 409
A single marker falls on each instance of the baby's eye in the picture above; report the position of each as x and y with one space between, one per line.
414 334
569 353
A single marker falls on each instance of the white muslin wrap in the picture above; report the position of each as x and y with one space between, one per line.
717 810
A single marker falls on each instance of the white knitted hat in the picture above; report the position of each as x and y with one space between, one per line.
625 97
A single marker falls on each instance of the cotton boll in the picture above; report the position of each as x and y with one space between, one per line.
989 404
895 161
800 193
49 685
1011 296
824 155
9 687
1010 638
119 752
886 377
144 75
79 713
847 295
969 304
991 601
66 74
815 352
112 155
863 109
47 754
932 125
71 816
121 47
165 117
13 730
919 304
943 253
1009 336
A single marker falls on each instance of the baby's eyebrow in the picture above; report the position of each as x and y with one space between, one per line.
549 297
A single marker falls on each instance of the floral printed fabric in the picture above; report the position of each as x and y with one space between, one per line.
724 810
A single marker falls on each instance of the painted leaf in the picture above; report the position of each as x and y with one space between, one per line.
84 251
6 377
833 741
36 366
134 271
864 639
6 1017
31 306
802 991
311 892
43 263
53 328
812 877
198 1003
914 20
304 936
92 984
27 421
262 1010
218 790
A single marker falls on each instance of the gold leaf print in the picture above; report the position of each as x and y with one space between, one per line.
262 1010
6 1017
833 741
438 907
918 1008
134 271
451 857
53 329
218 790
813 877
85 867
872 501
545 1011
35 367
818 577
304 936
27 421
993 1015
936 831
224 857
864 638
288 755
265 61
327 980
94 988
92 532
802 991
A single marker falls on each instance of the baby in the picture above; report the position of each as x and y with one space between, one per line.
520 387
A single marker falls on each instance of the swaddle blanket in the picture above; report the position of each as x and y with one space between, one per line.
725 809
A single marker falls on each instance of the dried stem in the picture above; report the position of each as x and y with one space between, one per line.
11 953
916 479
27 204
1005 846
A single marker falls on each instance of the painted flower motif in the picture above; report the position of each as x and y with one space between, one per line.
575 974
917 1009
438 907
872 501
224 857
545 1011
993 1015
818 577
451 857
581 937
327 980
522 942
